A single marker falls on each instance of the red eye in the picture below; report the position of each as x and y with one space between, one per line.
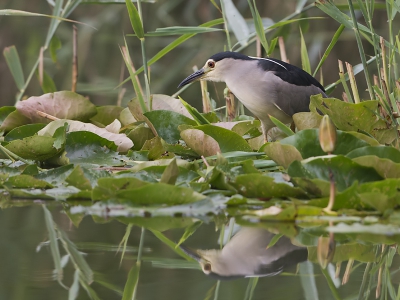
207 267
211 64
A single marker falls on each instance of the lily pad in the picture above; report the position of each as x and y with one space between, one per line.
385 167
63 105
26 181
84 147
261 186
227 140
139 135
345 171
200 142
34 147
23 132
120 140
307 143
381 151
158 194
355 117
107 188
166 124
106 114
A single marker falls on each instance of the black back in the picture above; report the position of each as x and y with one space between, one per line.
288 72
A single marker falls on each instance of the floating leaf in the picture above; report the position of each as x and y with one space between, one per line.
345 171
200 142
307 120
227 140
283 155
13 120
106 114
262 186
355 117
166 124
34 147
120 140
63 105
385 167
158 193
171 173
26 181
381 151
107 188
83 147
23 132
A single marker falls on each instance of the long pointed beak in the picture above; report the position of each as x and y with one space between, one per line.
195 76
191 252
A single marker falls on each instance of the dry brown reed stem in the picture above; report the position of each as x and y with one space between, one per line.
346 275
40 68
383 55
282 49
205 97
74 58
205 161
379 283
353 83
338 266
47 116
230 105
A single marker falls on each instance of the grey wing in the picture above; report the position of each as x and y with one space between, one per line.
293 98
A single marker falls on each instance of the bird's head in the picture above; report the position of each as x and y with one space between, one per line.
215 67
208 259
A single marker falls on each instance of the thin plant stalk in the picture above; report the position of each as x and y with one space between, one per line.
344 83
228 37
74 58
139 257
361 49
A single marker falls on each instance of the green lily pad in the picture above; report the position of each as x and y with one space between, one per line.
227 140
307 120
139 135
26 181
13 120
345 171
107 188
380 151
355 117
158 194
23 132
307 143
77 179
84 147
261 186
57 175
385 167
34 147
106 114
283 155
166 124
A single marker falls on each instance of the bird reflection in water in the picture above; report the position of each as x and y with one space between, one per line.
247 255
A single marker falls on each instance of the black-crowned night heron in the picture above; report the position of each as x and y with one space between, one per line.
247 255
266 86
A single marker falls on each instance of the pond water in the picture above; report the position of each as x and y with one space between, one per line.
260 261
